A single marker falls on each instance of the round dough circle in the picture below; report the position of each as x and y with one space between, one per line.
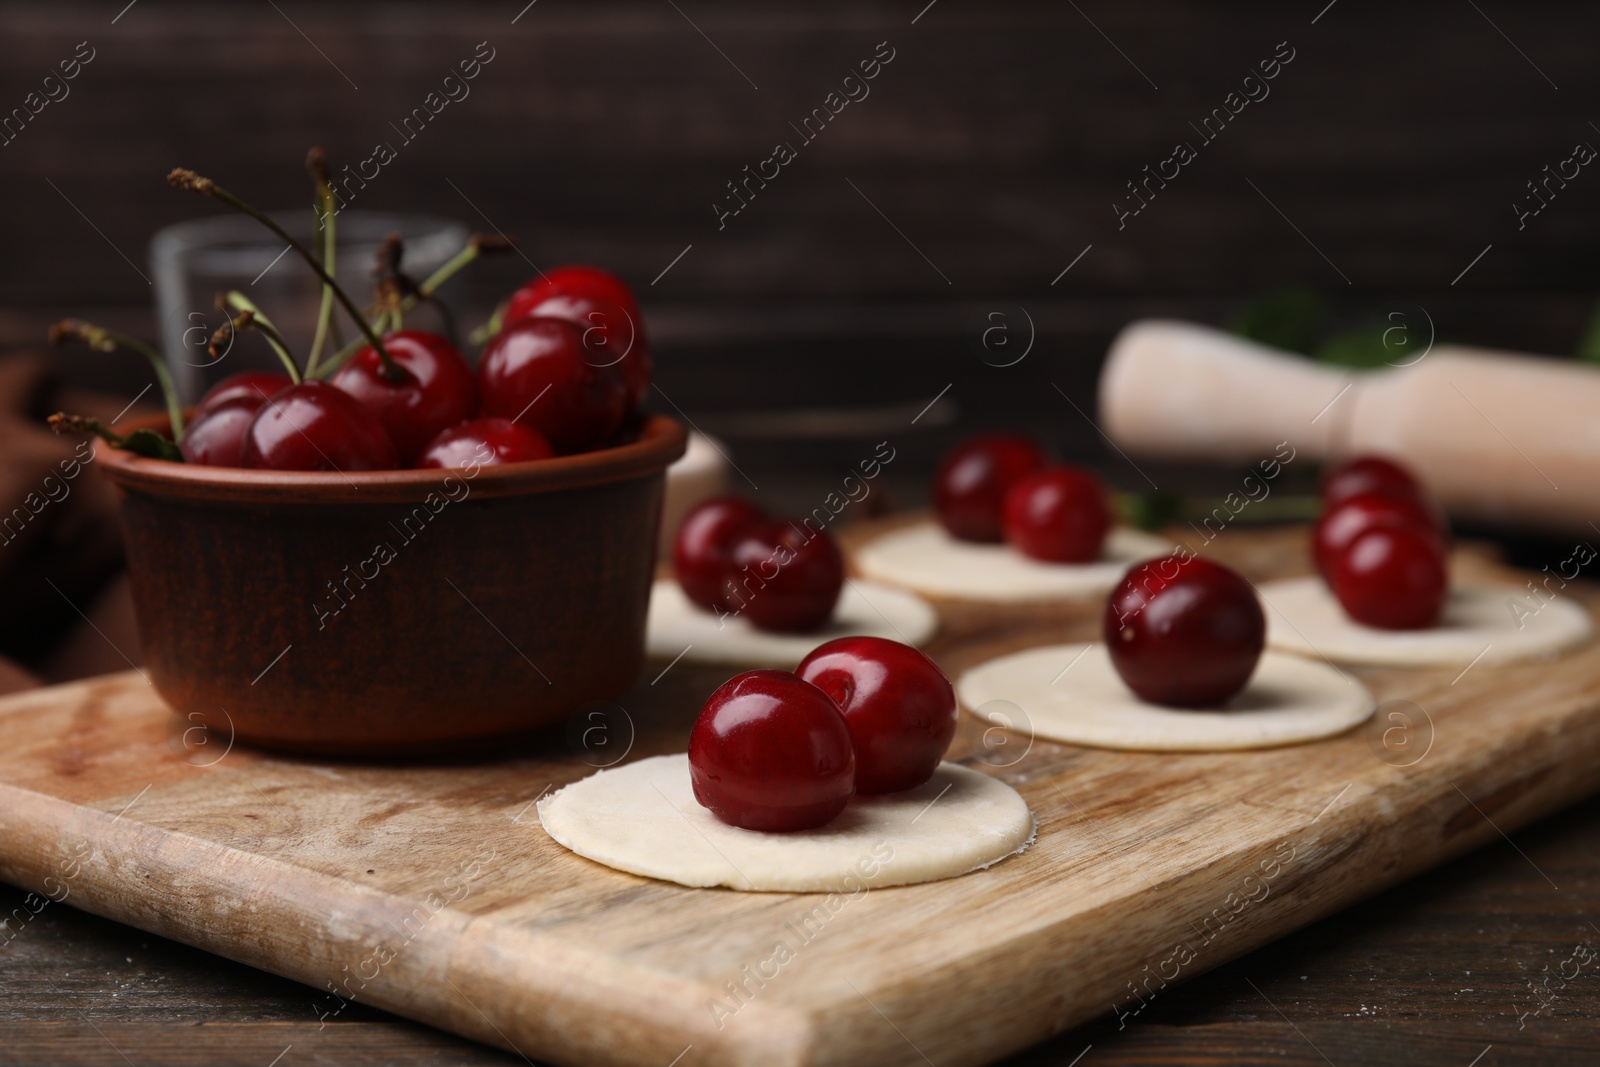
699 474
1073 693
643 818
677 626
925 558
1305 617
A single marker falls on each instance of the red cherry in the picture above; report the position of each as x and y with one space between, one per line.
771 752
970 487
1340 524
316 427
215 436
781 581
613 335
1184 631
899 707
571 280
1392 578
1058 514
1369 474
484 442
539 372
436 390
253 385
700 551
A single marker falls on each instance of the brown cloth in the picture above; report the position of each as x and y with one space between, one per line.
67 613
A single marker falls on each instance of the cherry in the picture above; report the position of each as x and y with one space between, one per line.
771 752
434 390
571 280
613 335
314 426
484 442
529 359
1369 474
899 707
1184 631
970 487
253 385
579 294
781 581
215 437
1392 578
1342 523
700 551
1058 514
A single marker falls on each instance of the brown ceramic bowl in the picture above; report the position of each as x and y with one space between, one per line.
393 612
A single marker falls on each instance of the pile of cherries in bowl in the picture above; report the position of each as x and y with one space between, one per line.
1381 546
995 487
776 751
566 371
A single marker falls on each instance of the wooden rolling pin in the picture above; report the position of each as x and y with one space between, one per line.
1497 436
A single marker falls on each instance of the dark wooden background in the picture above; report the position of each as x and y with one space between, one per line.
996 142
994 146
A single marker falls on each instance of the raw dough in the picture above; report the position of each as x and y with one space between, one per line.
699 474
676 624
1072 693
1304 616
925 558
643 818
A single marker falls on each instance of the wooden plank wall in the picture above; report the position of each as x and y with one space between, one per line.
1396 140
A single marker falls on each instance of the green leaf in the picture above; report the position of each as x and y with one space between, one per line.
149 443
1284 318
1589 347
1362 349
1148 511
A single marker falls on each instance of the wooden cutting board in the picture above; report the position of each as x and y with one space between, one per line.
432 890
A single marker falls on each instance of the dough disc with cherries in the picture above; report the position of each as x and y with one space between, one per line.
925 558
676 624
1303 616
643 818
1073 693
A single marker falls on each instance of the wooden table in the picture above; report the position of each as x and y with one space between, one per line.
1433 972
1440 970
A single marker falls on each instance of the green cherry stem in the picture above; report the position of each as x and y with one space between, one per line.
477 245
140 442
181 178
327 214
63 423
328 367
104 340
253 319
488 330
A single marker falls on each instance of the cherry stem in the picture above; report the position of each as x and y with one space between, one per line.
181 178
317 163
477 245
103 340
253 319
392 285
489 329
61 422
329 366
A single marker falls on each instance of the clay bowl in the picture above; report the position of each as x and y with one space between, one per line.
393 613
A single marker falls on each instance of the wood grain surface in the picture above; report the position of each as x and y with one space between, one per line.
310 870
997 140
